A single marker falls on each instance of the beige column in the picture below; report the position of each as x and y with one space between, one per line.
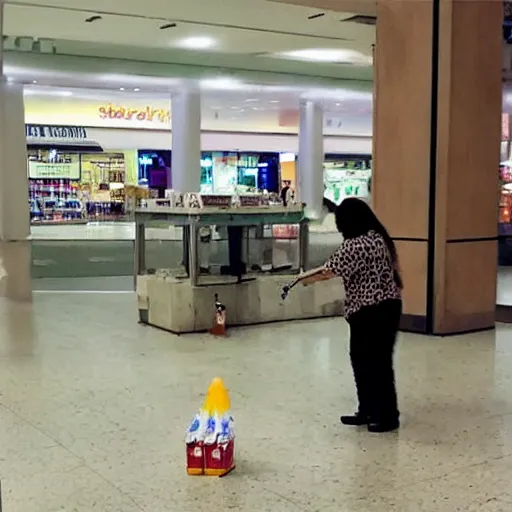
15 254
436 155
15 251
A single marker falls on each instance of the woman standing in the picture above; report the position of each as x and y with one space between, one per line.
367 261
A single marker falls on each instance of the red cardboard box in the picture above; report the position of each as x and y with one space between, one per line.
219 459
195 459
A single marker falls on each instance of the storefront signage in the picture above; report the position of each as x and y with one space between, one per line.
48 170
40 131
219 201
147 113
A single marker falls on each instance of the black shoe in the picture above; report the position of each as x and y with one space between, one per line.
383 427
357 420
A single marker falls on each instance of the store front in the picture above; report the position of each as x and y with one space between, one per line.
71 179
345 175
222 172
79 174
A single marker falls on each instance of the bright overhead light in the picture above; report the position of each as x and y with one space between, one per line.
221 83
197 43
121 88
34 81
136 89
251 100
327 55
274 101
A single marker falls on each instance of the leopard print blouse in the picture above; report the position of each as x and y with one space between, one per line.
365 265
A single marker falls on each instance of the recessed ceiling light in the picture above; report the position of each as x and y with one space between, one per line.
235 108
251 100
136 89
34 81
274 101
121 88
327 55
338 104
197 43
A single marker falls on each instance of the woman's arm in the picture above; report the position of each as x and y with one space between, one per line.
322 275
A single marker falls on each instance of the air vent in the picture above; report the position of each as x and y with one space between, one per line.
92 19
315 16
361 19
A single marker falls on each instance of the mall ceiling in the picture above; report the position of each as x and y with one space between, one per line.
197 36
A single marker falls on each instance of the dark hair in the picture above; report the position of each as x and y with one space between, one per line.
355 218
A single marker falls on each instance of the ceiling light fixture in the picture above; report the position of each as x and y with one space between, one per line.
274 101
251 100
221 83
121 88
327 55
136 89
197 43
34 81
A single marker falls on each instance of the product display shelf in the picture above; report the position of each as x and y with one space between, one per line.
179 303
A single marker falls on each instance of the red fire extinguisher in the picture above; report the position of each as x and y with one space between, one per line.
219 322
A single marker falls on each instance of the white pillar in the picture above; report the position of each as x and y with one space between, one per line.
15 252
186 141
14 210
311 158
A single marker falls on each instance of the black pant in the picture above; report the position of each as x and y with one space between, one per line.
372 341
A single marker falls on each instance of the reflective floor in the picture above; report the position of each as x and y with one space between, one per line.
94 408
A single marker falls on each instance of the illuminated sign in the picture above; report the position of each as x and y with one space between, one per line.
55 132
147 113
45 170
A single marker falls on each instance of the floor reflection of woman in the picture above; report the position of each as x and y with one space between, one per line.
367 261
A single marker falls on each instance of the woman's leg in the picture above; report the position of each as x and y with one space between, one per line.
385 415
358 348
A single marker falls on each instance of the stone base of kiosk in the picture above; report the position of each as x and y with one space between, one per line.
175 305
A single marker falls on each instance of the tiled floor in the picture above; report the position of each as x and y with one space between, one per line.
94 408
